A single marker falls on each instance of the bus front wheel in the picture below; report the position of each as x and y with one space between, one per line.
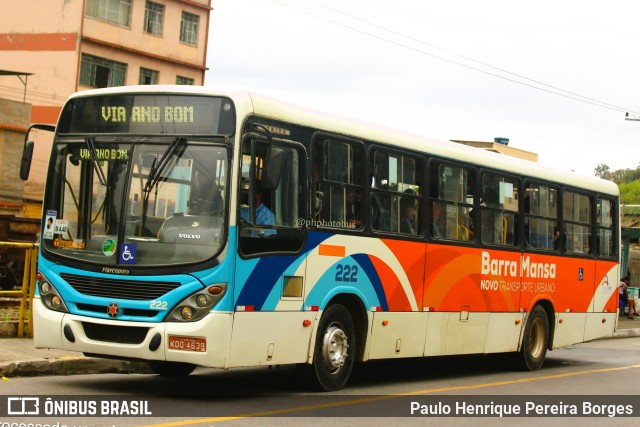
334 350
171 369
535 340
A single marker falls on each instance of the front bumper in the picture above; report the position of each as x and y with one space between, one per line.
71 332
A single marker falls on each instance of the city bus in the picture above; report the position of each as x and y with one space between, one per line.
189 227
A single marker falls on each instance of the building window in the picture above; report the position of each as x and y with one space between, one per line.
184 81
100 72
189 28
114 11
153 18
148 77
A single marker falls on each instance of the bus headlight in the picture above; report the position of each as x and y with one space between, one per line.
50 296
196 306
201 300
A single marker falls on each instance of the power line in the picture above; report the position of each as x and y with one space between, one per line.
552 89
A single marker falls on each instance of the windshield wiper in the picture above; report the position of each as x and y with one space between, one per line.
155 173
89 141
156 170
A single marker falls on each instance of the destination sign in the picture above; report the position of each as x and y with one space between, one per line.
168 114
171 114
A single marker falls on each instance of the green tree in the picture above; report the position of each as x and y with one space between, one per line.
602 171
630 192
628 181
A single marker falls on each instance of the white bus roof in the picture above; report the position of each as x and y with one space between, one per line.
263 106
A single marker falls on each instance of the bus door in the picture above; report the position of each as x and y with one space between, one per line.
270 266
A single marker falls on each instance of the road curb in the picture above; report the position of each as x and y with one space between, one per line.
71 366
625 333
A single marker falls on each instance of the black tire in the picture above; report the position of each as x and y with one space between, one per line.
334 350
535 340
171 369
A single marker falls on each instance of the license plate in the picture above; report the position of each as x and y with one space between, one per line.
187 343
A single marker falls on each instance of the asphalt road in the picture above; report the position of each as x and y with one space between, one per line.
602 373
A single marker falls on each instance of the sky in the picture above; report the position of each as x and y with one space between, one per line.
460 69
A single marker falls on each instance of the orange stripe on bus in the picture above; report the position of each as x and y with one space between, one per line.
331 250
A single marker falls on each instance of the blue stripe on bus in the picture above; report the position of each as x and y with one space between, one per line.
258 287
365 263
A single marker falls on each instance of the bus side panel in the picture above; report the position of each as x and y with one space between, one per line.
386 275
462 279
566 282
569 328
604 305
473 298
503 332
397 334
271 338
606 293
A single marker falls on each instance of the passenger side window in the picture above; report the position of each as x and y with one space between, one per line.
451 199
395 192
337 184
605 219
541 218
271 201
576 213
499 210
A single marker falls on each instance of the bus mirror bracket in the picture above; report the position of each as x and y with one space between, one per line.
27 150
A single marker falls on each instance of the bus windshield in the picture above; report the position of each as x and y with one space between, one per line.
136 202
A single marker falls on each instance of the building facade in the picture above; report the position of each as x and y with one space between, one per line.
72 45
501 145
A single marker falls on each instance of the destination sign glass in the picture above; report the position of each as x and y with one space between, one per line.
148 114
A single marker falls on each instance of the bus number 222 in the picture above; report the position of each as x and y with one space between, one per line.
346 273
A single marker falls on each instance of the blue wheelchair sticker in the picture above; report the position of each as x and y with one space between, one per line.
127 253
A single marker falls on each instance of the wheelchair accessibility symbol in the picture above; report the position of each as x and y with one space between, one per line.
127 253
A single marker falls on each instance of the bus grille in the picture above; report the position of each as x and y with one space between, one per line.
112 333
124 289
133 312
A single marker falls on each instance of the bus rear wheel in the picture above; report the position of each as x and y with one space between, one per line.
334 350
535 340
171 369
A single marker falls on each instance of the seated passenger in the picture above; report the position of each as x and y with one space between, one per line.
264 216
408 220
437 221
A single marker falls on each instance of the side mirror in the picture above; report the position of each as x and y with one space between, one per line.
273 168
25 164
27 151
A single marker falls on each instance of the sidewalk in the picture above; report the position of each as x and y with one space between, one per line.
18 357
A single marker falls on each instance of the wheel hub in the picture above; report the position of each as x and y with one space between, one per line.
334 348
